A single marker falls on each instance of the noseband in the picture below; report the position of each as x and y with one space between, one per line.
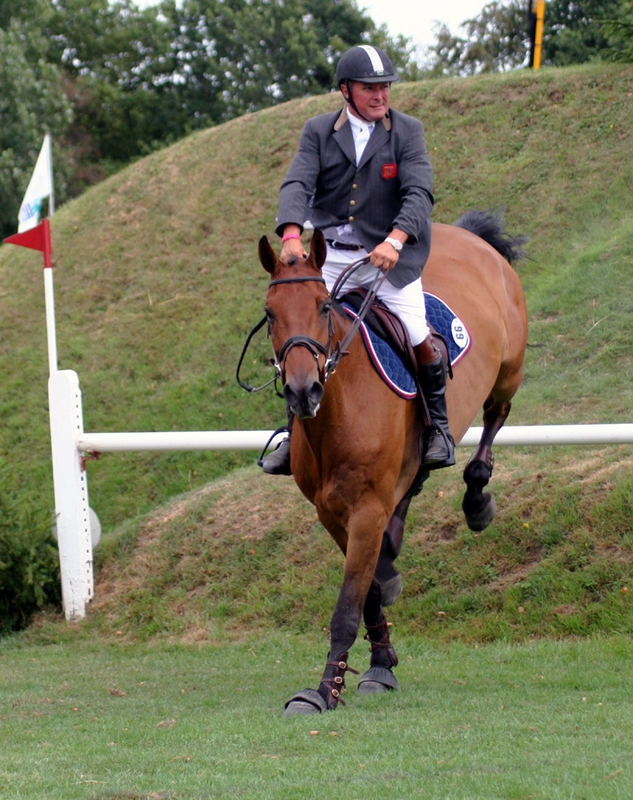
313 346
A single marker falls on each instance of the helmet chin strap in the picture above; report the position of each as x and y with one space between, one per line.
350 99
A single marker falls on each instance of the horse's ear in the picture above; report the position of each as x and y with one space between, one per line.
318 249
267 255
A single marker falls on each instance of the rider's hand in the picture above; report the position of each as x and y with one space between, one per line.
384 256
292 248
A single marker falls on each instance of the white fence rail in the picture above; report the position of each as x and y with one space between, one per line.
515 435
70 443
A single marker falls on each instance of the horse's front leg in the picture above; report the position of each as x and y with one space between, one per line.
479 507
361 546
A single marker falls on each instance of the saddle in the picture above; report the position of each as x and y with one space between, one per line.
385 324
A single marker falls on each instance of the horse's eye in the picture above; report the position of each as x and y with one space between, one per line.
269 315
326 308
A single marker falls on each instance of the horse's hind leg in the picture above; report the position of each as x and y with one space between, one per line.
386 574
379 677
479 507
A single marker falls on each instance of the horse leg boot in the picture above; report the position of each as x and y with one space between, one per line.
440 449
278 462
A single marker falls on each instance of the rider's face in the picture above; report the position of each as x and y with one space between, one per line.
371 99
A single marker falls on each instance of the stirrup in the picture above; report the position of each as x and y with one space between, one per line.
439 454
277 462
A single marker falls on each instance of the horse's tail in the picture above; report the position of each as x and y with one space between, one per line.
490 227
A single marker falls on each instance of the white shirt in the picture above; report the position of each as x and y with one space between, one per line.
361 131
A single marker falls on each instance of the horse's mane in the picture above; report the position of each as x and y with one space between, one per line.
490 227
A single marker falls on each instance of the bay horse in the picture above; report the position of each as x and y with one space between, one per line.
355 444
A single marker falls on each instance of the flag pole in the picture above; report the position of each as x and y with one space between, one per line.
49 301
39 238
51 335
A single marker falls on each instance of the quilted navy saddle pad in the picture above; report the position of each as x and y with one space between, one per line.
389 363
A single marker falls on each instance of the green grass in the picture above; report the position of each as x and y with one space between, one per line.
545 720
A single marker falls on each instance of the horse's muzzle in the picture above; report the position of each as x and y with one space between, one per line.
304 401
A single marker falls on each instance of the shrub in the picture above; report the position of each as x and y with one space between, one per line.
29 564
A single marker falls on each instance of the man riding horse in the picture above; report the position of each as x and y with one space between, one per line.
363 177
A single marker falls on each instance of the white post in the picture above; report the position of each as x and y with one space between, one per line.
50 320
71 493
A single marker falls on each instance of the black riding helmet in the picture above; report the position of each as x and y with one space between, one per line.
365 64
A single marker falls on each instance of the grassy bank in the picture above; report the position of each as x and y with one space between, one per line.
157 280
157 283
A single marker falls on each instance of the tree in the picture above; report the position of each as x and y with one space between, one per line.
498 39
31 103
138 79
619 33
230 57
575 33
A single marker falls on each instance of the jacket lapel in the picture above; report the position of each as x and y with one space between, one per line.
376 140
343 136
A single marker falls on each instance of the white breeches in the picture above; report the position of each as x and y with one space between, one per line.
407 303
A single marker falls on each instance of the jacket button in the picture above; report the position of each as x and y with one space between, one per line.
350 219
352 202
354 186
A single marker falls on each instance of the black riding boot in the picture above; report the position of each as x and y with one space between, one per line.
440 449
278 462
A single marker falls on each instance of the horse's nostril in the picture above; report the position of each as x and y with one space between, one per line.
304 401
316 393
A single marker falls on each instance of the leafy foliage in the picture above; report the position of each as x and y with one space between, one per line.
500 37
496 40
29 569
31 103
139 79
618 30
574 32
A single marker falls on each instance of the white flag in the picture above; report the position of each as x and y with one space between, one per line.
40 186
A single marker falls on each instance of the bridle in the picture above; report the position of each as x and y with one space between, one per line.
313 346
332 353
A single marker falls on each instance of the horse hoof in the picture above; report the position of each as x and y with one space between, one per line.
479 519
377 680
309 701
390 590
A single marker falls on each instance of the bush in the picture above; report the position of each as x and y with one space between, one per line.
29 564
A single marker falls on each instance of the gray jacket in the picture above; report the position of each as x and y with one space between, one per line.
390 188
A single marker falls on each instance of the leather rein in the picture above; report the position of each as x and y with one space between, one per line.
331 353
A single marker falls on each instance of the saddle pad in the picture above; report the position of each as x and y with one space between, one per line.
449 326
390 365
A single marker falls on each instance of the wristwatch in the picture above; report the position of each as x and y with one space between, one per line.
397 246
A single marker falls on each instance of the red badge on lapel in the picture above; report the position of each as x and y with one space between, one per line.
389 171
